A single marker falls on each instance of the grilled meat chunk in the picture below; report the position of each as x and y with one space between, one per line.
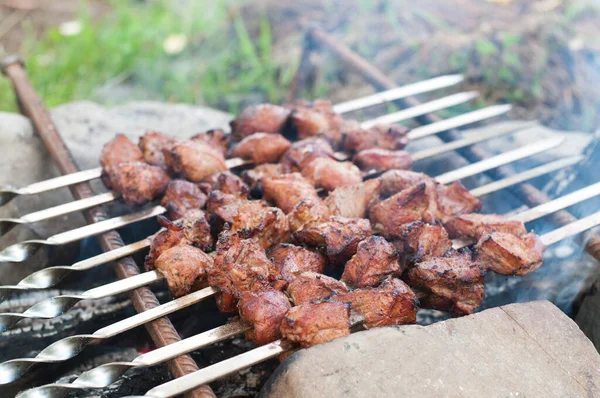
253 177
216 139
182 196
395 181
152 144
263 118
339 237
391 137
222 208
196 229
311 286
309 211
241 266
195 160
120 150
184 267
317 119
170 235
353 201
265 310
287 190
137 182
303 152
451 283
391 303
310 324
293 260
261 148
378 159
420 241
454 200
226 182
508 254
330 174
226 303
266 225
474 225
375 260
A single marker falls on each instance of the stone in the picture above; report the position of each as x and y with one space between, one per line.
528 350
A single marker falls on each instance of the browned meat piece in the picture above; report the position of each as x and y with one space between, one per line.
339 237
228 183
310 324
378 159
197 230
222 208
287 190
454 200
318 120
265 310
261 148
352 201
182 196
395 181
137 182
226 303
420 241
253 177
308 212
263 118
508 254
375 260
120 150
293 260
452 283
216 139
170 235
303 152
412 204
266 225
184 267
329 174
152 144
474 225
391 303
311 286
194 160
241 266
392 137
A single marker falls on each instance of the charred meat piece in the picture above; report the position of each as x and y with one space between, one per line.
317 119
170 235
152 145
241 266
309 211
311 286
329 174
287 190
378 159
452 283
339 237
353 201
454 200
184 267
395 181
253 177
293 260
303 152
310 324
474 225
265 310
194 160
196 229
263 118
216 139
508 254
391 137
261 148
182 196
222 207
420 241
120 150
375 260
226 182
137 182
391 303
266 225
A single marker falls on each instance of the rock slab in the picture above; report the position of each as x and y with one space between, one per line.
518 350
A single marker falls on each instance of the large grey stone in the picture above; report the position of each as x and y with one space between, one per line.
526 350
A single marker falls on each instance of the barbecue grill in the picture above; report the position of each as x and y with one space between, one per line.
152 314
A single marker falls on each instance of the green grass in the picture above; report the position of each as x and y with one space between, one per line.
221 63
